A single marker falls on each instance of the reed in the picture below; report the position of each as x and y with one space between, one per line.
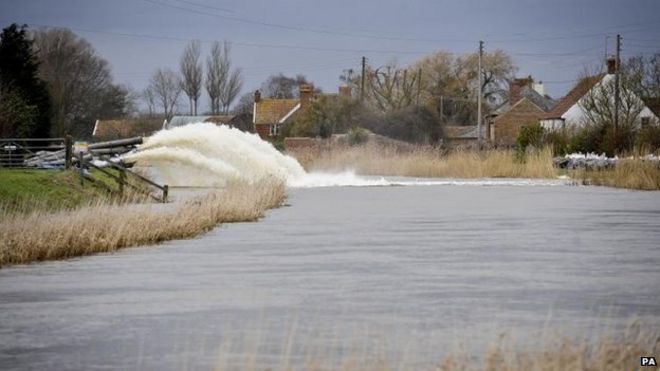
103 227
630 173
421 161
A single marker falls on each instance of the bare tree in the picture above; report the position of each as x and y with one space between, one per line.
79 82
281 86
149 99
393 88
191 70
231 89
217 74
598 104
166 87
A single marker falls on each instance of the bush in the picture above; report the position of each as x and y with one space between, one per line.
357 136
648 139
558 140
528 136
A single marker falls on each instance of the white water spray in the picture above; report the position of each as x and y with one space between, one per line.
206 155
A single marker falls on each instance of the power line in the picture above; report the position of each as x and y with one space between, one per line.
297 28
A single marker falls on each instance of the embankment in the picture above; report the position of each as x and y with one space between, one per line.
43 235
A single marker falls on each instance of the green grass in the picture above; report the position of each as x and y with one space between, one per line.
45 190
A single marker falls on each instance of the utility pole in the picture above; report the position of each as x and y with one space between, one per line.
617 99
364 71
481 54
419 85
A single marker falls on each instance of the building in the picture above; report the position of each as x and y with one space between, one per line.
527 104
125 128
569 112
463 135
177 121
270 114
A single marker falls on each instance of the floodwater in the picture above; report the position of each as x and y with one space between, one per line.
407 272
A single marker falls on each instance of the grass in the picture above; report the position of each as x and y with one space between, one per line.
550 352
630 174
45 190
422 161
42 235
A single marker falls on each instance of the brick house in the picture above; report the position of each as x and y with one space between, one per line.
269 115
527 104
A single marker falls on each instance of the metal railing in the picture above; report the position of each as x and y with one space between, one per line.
27 152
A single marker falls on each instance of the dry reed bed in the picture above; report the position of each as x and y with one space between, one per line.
551 353
428 162
630 174
39 235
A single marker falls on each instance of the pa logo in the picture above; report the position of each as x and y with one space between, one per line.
648 361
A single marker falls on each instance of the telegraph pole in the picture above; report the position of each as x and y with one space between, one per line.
419 85
481 54
617 98
364 70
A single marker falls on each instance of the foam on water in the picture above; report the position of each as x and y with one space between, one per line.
207 155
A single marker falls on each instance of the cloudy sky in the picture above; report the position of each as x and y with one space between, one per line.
552 40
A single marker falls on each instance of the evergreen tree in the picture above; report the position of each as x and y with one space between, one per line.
19 80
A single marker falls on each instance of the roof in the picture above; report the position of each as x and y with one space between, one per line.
124 128
653 104
462 132
177 121
573 96
270 111
518 109
543 102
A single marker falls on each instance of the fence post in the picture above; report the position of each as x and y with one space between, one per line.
166 190
68 151
81 170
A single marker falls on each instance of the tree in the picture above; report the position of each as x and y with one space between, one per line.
245 104
455 79
149 99
23 95
231 90
218 75
191 70
393 88
166 88
643 75
79 82
281 86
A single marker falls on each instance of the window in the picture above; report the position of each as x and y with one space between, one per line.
645 122
275 129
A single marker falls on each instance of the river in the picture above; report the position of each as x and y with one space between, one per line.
404 272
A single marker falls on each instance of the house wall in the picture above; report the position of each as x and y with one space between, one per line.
263 130
575 116
507 125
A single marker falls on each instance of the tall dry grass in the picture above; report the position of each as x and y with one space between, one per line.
631 174
40 235
422 161
552 352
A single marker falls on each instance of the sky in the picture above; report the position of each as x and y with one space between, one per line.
551 40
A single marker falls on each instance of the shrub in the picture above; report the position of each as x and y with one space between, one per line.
357 136
528 136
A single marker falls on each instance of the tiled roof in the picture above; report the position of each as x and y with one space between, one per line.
115 129
177 121
573 96
653 104
462 132
544 102
270 111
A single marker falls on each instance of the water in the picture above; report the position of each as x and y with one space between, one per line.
408 271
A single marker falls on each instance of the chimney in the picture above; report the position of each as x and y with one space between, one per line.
539 88
611 65
516 86
345 91
257 96
305 94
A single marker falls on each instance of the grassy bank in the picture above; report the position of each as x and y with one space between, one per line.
630 174
428 162
43 235
45 190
